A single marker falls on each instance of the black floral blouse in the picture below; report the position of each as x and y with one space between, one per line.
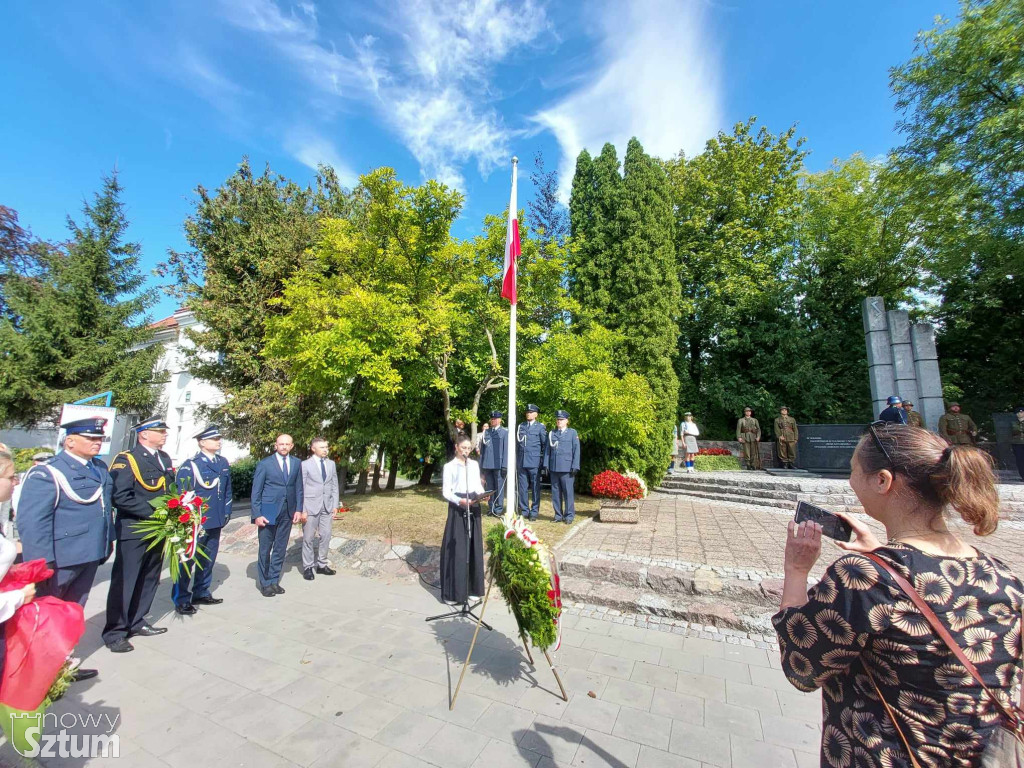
857 616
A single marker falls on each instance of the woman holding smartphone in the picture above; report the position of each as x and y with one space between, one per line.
894 633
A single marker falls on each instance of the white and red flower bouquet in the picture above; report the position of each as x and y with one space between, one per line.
176 525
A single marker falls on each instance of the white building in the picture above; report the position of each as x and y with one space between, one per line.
183 394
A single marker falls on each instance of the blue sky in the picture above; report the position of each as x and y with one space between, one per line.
174 94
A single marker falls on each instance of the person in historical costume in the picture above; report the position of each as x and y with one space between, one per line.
562 460
320 497
209 476
786 435
462 547
493 447
689 433
65 515
1017 438
893 412
957 428
913 417
277 503
140 475
531 444
748 432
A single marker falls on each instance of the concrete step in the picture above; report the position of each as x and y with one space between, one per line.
697 484
734 498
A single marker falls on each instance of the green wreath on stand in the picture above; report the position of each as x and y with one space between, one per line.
521 567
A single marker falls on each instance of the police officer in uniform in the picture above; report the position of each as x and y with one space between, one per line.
913 417
209 475
957 428
562 460
893 412
494 462
531 444
139 475
65 518
786 435
748 432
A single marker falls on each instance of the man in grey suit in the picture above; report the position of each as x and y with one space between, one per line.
320 498
276 504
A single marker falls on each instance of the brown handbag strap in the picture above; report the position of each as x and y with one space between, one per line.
892 717
944 635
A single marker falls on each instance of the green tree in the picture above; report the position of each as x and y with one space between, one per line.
549 222
853 239
73 321
962 166
247 238
736 206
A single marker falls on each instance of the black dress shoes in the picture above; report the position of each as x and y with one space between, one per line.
85 674
120 646
208 600
326 570
308 574
268 591
186 610
279 589
147 630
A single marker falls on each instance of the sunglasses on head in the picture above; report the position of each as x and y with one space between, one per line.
878 441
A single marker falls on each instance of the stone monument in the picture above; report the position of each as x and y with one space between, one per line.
902 361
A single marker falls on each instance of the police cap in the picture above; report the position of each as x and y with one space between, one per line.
561 414
531 408
85 427
155 423
210 432
497 415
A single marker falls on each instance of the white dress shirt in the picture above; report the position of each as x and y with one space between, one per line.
460 478
12 600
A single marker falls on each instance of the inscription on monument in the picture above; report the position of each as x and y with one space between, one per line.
828 448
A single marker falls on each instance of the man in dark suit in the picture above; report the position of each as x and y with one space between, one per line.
140 475
209 475
276 504
65 518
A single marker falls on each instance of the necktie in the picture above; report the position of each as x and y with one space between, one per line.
323 470
93 471
159 460
284 466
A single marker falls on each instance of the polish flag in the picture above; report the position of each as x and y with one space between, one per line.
508 281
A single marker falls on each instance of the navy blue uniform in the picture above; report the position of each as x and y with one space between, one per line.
894 414
136 572
214 486
531 439
73 532
563 463
276 495
494 465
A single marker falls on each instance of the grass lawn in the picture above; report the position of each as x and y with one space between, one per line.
417 516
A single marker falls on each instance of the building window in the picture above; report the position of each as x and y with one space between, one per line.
188 397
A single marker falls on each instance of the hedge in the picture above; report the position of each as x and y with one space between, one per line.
716 463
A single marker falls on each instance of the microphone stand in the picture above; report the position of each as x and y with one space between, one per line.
466 611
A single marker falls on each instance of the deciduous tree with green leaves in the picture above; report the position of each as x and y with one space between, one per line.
74 319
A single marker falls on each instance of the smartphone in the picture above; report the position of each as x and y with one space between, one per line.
832 525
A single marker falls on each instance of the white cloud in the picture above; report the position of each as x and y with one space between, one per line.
312 150
658 82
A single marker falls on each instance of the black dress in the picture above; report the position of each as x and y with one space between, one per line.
462 576
856 617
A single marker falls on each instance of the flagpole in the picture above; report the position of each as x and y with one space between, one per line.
510 479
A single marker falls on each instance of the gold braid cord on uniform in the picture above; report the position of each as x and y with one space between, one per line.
160 485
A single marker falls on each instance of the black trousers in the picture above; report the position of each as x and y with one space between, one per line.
462 556
133 584
1018 455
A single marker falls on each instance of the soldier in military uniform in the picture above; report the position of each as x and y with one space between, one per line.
957 428
209 475
913 417
494 462
531 444
562 460
65 517
1017 439
893 412
786 435
748 432
140 475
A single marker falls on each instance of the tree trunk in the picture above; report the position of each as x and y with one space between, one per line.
342 479
361 482
426 474
377 469
392 474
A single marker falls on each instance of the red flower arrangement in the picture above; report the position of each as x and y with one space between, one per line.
714 452
175 527
612 485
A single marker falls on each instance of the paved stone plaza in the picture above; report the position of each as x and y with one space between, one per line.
343 671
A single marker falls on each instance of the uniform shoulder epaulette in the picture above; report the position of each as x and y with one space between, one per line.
119 464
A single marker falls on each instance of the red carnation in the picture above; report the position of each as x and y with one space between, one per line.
203 520
184 517
173 503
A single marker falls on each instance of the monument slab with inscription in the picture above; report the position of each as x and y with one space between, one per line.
828 448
